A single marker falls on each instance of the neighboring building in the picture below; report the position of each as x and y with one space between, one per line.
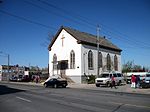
13 71
73 55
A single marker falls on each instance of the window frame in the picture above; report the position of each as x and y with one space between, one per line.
100 60
55 62
108 62
72 59
90 60
116 63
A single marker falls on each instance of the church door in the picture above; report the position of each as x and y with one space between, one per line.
63 65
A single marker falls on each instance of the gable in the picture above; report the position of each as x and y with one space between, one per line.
62 41
87 39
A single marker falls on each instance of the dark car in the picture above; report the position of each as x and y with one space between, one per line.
14 78
24 78
56 83
145 83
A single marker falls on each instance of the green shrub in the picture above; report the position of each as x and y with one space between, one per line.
91 79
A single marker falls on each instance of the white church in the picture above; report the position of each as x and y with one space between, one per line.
75 55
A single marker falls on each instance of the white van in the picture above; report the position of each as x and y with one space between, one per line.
105 79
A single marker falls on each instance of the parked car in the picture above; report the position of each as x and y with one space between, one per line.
105 79
26 78
56 83
13 78
145 83
140 74
20 77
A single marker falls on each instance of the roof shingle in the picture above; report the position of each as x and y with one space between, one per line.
86 38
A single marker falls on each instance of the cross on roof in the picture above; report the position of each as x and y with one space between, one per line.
62 40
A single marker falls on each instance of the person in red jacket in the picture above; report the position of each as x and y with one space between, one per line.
113 83
133 79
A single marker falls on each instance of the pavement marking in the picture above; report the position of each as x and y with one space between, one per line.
24 99
140 106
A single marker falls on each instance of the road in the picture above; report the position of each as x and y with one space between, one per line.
24 98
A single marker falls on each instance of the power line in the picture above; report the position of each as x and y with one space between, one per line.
27 20
133 43
85 20
74 15
56 14
106 31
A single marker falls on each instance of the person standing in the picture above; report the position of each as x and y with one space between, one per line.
133 81
113 83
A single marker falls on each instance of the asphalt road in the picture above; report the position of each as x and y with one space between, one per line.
24 98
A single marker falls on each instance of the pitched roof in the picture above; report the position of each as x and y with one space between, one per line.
86 38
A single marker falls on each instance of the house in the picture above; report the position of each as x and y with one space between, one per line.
73 55
14 71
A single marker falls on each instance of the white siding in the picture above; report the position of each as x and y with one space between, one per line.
81 57
84 55
63 53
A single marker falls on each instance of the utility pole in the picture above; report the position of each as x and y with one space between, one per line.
8 66
98 30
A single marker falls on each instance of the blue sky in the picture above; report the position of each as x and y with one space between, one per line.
26 24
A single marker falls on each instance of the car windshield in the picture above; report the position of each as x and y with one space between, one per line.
20 76
147 75
119 75
52 79
104 75
115 75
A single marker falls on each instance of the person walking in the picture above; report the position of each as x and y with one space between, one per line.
133 79
113 83
137 81
37 79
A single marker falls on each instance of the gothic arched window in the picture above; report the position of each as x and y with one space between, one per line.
90 60
115 63
72 60
54 62
108 62
100 61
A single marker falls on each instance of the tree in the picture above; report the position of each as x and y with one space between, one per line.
137 68
127 67
130 67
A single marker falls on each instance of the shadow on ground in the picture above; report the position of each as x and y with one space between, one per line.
7 90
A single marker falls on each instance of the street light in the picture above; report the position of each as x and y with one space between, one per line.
8 61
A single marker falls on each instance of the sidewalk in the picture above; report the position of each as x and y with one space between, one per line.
121 89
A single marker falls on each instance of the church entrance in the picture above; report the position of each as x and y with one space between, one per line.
62 66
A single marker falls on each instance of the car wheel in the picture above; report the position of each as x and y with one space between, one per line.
55 85
119 83
108 84
64 85
97 85
45 85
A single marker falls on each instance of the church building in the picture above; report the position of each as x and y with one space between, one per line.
75 55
